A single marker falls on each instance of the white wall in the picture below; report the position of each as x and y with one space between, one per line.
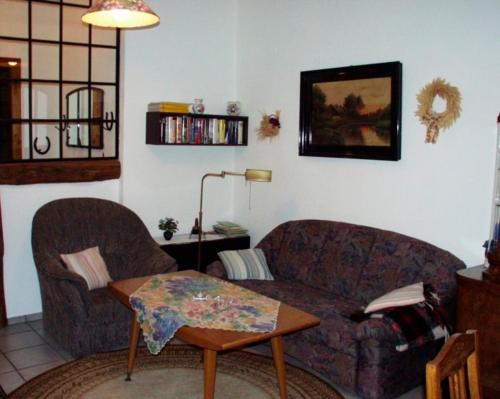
440 193
190 55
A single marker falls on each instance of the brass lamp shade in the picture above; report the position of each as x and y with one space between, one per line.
260 175
120 14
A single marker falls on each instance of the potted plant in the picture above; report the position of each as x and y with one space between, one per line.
169 227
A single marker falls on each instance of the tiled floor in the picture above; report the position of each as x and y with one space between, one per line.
26 351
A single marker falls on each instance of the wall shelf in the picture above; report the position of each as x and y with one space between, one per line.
185 129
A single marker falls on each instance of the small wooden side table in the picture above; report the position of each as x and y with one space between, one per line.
479 309
184 249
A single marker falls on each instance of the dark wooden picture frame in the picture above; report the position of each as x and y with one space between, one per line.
352 112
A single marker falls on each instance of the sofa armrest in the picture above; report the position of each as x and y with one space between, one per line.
217 269
54 269
375 329
69 287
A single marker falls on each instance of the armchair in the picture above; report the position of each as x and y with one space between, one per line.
83 321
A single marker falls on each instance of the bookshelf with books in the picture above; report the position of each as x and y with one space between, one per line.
180 128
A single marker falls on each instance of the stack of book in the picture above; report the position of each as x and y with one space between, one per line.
188 129
229 229
168 106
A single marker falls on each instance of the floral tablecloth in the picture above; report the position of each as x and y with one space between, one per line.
167 302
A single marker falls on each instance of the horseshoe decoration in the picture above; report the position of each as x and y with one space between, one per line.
39 151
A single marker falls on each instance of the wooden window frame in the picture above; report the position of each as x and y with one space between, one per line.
32 171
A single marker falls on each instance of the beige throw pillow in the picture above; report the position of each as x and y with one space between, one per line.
409 295
90 265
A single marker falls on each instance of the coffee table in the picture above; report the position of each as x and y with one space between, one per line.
212 341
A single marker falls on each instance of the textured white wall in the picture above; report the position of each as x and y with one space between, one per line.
190 55
440 193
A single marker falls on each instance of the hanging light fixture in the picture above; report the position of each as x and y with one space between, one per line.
120 14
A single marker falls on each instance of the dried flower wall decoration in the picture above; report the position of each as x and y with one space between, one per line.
269 126
438 120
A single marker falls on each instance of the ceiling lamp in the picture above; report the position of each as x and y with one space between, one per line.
120 14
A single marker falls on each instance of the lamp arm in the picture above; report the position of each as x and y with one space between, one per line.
222 174
200 213
232 173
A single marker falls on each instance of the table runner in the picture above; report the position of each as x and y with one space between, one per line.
167 302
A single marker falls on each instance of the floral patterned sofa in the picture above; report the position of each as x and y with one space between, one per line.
332 269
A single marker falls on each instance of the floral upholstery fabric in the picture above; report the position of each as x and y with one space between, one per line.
331 269
82 321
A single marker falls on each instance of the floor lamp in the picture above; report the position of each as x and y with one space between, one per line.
257 175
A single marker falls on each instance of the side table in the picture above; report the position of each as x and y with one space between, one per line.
479 309
184 249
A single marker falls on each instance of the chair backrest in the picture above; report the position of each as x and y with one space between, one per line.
457 359
73 224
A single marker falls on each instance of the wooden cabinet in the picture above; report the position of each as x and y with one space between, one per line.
184 249
479 309
168 128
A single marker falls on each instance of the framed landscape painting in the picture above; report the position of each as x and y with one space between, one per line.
351 112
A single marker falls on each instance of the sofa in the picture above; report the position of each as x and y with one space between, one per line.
333 269
80 320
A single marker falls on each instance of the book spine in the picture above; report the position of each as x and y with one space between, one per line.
162 130
179 130
215 131
222 131
189 124
199 133
240 132
192 138
173 127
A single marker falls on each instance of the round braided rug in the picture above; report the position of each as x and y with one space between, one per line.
177 372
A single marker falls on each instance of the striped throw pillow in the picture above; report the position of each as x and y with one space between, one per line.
90 265
408 295
246 264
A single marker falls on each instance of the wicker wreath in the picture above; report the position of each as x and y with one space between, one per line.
438 120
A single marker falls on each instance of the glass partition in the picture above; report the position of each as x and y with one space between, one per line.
58 83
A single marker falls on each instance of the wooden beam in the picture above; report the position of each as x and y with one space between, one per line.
59 171
3 310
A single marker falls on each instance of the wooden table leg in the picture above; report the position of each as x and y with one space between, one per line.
134 340
210 365
279 363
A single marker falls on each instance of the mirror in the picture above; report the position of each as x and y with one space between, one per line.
84 105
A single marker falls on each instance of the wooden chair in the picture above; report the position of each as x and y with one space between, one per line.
458 357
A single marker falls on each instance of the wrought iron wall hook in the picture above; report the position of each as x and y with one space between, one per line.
64 124
108 123
41 152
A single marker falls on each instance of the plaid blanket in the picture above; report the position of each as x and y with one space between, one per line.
414 325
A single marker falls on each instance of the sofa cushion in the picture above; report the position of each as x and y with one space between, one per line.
397 260
106 309
407 295
90 265
336 329
319 253
246 264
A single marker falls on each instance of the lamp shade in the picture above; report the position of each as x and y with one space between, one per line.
120 14
260 175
